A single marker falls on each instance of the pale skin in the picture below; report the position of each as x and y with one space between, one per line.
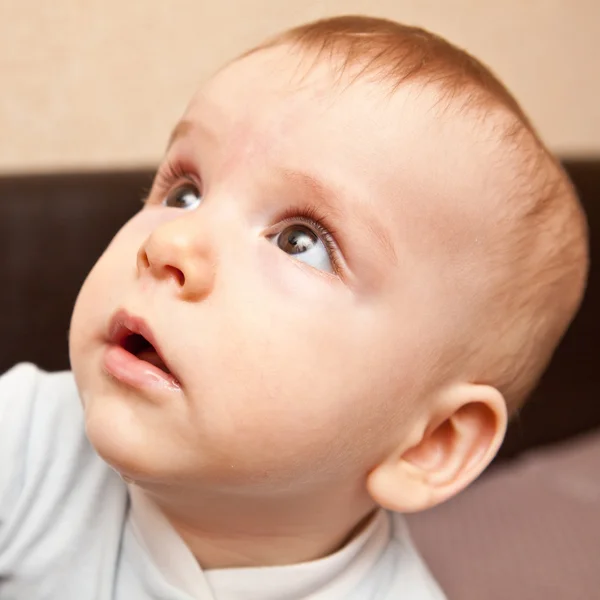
309 395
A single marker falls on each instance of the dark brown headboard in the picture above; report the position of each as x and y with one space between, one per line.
53 228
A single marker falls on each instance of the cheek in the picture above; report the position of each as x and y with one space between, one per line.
117 265
294 383
290 282
103 289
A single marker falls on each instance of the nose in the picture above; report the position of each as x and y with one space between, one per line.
179 253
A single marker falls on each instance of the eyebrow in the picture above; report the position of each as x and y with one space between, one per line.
319 190
329 198
182 129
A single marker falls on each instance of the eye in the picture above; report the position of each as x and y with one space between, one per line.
185 195
305 245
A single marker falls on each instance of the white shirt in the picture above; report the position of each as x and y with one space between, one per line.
71 530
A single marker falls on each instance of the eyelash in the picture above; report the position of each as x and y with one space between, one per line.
172 173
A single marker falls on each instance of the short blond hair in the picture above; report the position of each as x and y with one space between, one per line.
395 54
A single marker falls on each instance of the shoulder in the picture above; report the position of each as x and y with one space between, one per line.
60 504
40 415
43 446
19 413
26 390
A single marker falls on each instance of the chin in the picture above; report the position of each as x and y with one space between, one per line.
119 438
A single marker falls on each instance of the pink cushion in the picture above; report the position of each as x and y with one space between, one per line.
527 530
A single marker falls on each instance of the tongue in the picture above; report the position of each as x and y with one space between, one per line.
149 355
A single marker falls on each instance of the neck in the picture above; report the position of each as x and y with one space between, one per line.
229 531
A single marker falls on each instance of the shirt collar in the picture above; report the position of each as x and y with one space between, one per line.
334 576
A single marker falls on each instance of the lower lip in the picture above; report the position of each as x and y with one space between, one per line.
136 373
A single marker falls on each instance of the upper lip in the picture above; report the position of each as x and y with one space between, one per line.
123 324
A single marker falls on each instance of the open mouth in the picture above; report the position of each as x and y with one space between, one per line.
142 349
133 355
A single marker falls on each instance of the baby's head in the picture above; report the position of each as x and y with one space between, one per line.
356 260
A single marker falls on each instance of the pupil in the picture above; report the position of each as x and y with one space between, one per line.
182 196
296 240
185 195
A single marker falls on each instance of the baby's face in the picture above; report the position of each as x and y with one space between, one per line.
305 351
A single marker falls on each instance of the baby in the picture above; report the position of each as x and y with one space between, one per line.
355 261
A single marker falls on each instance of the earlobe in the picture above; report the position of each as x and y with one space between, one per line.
464 431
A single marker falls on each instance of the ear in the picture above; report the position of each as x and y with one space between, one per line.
461 436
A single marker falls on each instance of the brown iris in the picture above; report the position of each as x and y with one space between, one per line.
296 239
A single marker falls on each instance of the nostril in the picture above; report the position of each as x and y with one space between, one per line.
161 262
143 259
176 273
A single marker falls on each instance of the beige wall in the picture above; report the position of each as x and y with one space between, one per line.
89 84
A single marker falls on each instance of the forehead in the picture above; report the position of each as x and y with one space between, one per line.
280 103
423 171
